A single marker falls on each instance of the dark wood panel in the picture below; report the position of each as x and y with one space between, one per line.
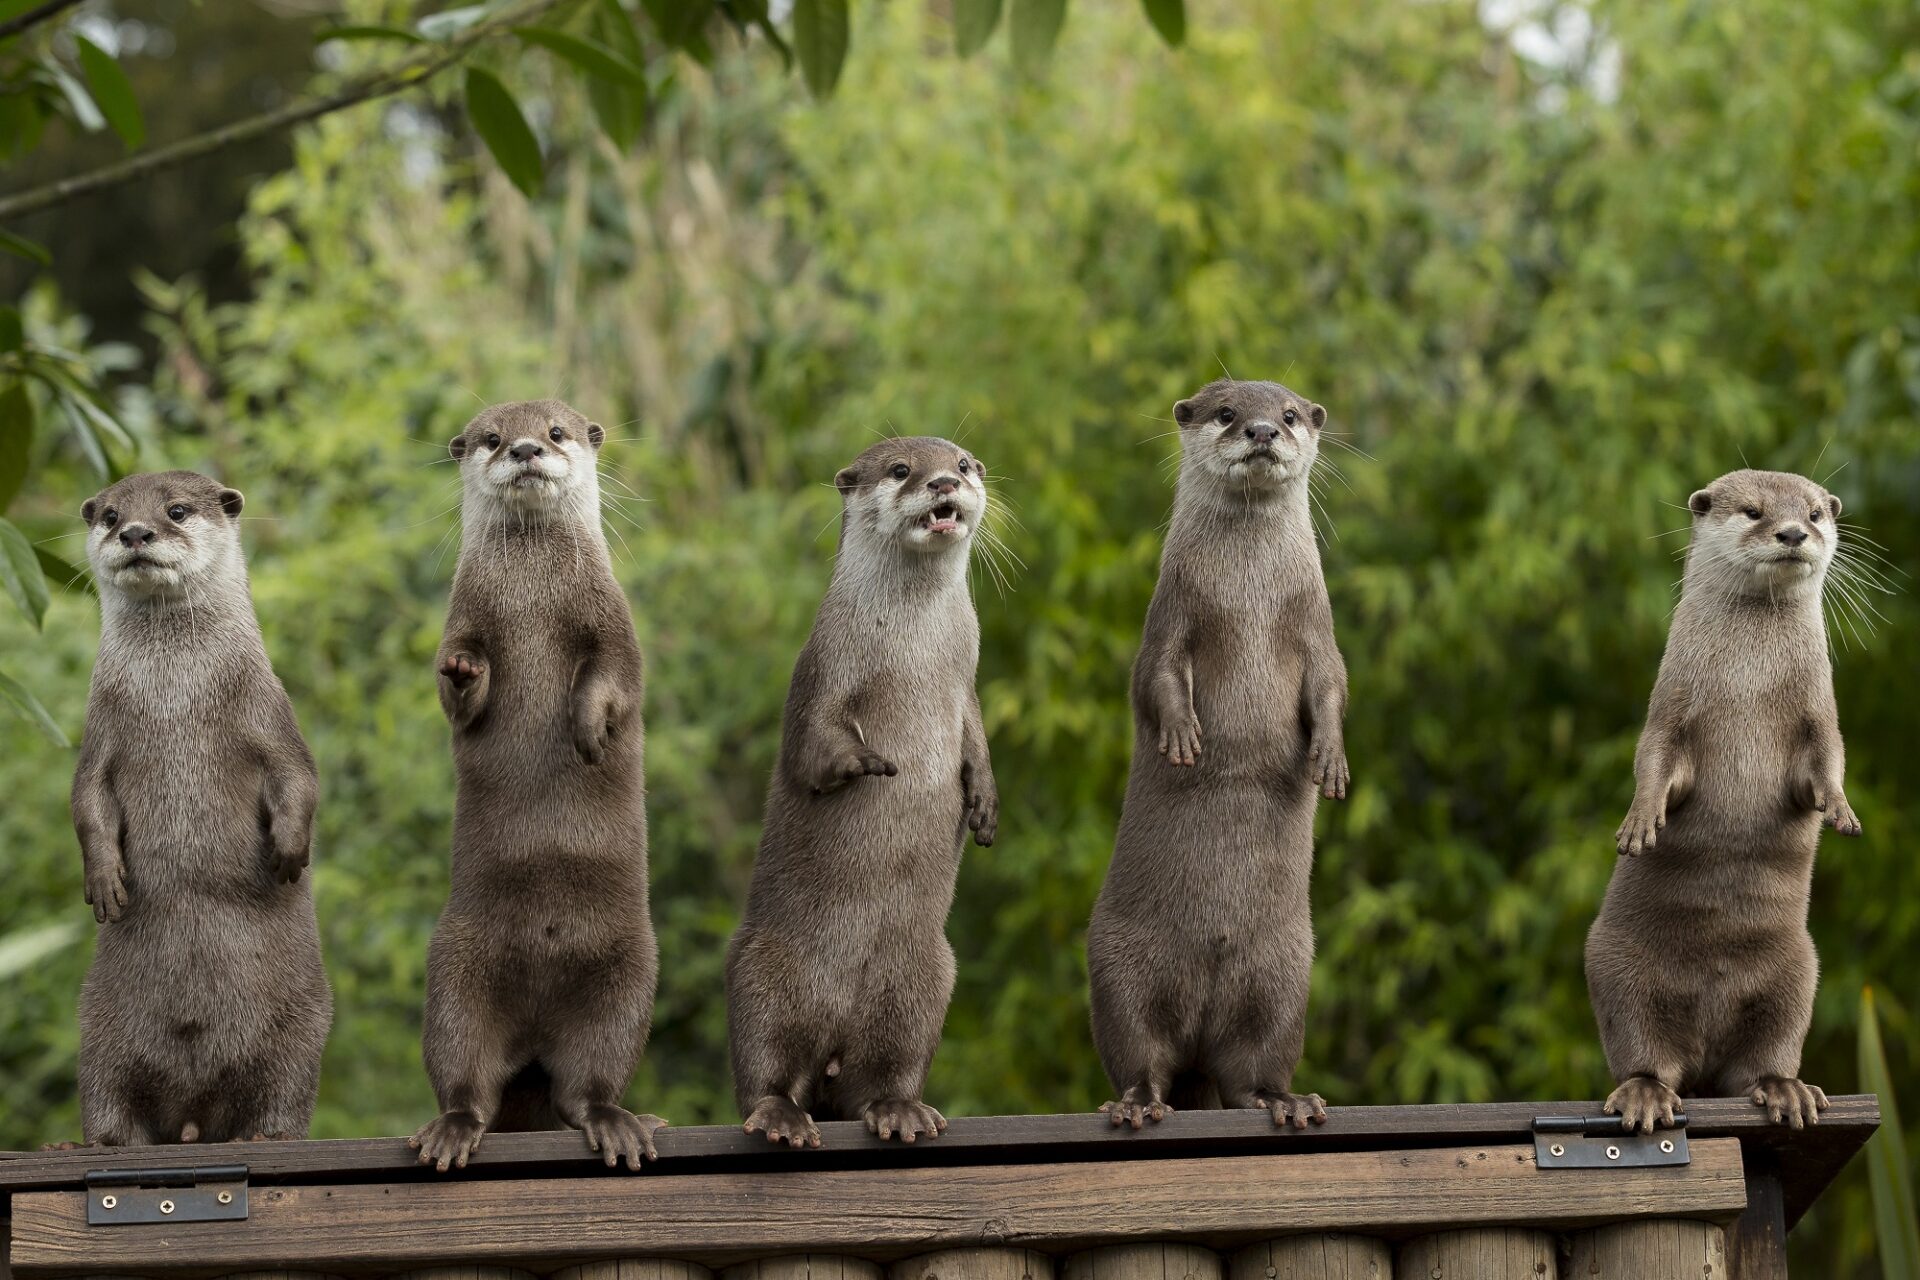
548 1222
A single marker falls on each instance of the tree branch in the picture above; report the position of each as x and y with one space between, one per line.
33 17
405 74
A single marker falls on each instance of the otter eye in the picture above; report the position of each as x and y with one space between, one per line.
901 471
177 513
1288 417
1813 516
556 435
493 440
963 466
1752 513
1226 415
109 517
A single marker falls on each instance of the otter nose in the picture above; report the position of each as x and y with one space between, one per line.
944 484
525 449
135 535
1262 432
1793 535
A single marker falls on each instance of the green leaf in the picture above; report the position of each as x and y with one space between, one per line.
28 707
80 103
496 118
367 32
451 22
622 112
681 23
13 332
20 573
113 92
25 248
820 38
973 24
24 948
1169 18
1036 26
584 54
1896 1226
63 574
16 437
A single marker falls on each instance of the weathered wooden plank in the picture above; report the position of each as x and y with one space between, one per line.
463 1273
1317 1255
804 1266
879 1213
1147 1260
1480 1253
974 1264
632 1269
1817 1153
1757 1242
1657 1249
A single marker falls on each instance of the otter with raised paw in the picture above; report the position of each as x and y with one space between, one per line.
839 976
1700 966
206 1008
540 977
1201 943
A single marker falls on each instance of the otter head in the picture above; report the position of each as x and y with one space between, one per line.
1248 439
1767 533
162 534
529 458
918 493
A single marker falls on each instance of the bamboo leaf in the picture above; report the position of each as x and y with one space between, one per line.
1169 18
20 573
973 24
497 119
451 22
13 330
584 54
22 247
1036 28
24 948
820 30
28 708
113 92
63 574
80 103
1896 1226
368 32
16 439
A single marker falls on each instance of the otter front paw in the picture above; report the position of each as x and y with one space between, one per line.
1788 1101
448 1139
983 809
592 731
462 669
851 767
907 1117
782 1120
1641 830
1135 1107
107 890
1642 1102
1180 739
1839 816
1301 1109
618 1134
1327 762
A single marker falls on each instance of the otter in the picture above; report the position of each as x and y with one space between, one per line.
206 1008
1201 942
541 972
1700 967
839 975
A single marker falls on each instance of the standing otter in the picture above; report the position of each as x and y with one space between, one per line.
540 979
1700 966
1201 943
206 1009
839 976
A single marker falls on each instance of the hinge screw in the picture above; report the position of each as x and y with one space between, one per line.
1666 1145
1557 1149
108 1202
1613 1153
166 1206
225 1197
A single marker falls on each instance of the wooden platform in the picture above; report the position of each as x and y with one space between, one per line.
1413 1179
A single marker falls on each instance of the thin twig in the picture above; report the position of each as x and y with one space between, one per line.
34 17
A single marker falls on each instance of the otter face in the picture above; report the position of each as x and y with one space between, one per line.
159 534
1249 436
528 457
920 492
1763 532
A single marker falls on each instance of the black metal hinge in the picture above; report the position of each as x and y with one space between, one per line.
1602 1142
215 1193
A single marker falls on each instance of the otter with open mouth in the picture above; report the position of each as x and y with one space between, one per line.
1700 967
839 976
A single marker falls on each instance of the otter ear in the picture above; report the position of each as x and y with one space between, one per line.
1183 412
1318 415
88 508
1701 502
1833 505
231 501
458 446
595 434
847 480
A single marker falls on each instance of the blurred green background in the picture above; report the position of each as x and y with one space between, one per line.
1548 269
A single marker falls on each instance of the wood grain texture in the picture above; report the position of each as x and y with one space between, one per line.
1757 1241
1482 1253
543 1224
1658 1249
636 1269
1148 1260
1815 1155
805 1266
974 1264
465 1273
1318 1255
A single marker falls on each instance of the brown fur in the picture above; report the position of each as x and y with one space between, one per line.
1700 966
1201 944
839 976
206 1009
540 978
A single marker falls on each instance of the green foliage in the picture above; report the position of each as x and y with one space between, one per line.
1544 305
112 91
1896 1224
820 33
496 118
